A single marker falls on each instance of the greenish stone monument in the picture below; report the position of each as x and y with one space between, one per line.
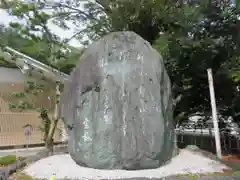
117 106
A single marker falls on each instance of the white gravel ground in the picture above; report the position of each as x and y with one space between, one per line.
62 166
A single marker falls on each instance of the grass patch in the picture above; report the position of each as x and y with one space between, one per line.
189 176
195 176
236 173
234 166
10 159
22 176
7 160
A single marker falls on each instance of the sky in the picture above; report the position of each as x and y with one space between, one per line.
5 19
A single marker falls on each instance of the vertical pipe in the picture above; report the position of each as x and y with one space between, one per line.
214 114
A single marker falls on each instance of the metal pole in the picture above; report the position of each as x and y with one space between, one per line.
27 142
214 114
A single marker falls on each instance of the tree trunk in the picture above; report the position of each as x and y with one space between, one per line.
46 125
49 146
49 141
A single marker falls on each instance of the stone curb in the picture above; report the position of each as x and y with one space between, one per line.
171 178
44 153
5 172
63 149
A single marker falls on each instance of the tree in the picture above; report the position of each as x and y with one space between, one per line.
210 42
36 83
146 17
191 36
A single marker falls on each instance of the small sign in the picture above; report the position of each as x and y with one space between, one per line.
28 129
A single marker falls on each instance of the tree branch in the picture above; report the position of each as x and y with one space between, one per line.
79 11
104 5
74 35
4 4
63 14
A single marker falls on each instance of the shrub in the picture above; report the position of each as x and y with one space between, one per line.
20 158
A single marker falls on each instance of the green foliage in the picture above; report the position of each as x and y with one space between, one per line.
236 74
98 18
18 94
36 47
46 125
46 47
214 43
7 160
12 106
25 100
191 37
51 52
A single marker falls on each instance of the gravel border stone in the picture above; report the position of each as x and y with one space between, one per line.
6 172
64 150
64 167
197 150
174 178
3 174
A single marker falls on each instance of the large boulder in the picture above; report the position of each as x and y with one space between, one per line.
117 105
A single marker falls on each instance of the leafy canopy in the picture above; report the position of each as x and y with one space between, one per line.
192 36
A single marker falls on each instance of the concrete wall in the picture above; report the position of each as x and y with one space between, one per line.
11 75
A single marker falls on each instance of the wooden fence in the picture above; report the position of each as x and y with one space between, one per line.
12 131
12 120
46 99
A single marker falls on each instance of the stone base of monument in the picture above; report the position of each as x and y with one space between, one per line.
63 167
